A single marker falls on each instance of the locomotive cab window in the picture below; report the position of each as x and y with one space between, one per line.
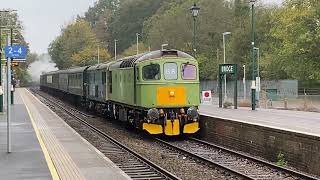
170 71
189 72
151 72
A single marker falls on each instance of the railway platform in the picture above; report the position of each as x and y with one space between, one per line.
45 147
267 133
296 121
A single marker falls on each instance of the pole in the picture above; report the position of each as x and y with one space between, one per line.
224 62
137 34
244 83
220 88
253 87
194 37
8 100
258 71
115 49
1 88
11 85
98 54
235 75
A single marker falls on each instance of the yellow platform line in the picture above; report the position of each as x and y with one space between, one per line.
50 164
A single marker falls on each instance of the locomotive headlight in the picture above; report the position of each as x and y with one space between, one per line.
192 113
171 94
153 114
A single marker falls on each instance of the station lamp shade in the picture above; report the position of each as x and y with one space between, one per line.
252 2
195 10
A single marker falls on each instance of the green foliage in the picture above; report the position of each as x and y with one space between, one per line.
77 40
133 50
11 20
227 104
89 56
288 36
129 19
297 29
21 73
281 161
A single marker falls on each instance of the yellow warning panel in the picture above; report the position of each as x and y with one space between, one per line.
171 96
172 128
191 128
152 128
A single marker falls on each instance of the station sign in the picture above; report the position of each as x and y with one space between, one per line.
15 52
206 97
227 68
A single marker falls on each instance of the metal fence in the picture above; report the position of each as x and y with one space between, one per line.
283 94
274 89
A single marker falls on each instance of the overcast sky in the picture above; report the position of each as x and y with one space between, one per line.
43 19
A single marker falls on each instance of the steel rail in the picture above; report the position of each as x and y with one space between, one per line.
266 163
208 161
164 172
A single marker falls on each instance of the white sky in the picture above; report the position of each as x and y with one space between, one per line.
43 19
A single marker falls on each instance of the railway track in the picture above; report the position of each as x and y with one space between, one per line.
133 164
242 165
235 164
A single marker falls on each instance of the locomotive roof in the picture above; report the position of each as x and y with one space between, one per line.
100 66
130 61
126 62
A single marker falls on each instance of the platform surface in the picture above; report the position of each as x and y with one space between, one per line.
295 121
26 161
45 147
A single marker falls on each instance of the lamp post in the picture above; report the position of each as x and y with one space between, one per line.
195 12
137 34
253 85
244 83
98 54
115 49
258 55
224 62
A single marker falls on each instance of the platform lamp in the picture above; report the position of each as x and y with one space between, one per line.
224 62
195 12
253 85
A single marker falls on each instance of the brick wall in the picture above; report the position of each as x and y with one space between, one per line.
301 151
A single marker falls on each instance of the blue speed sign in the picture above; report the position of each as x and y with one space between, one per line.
15 52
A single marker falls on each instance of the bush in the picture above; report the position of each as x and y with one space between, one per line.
227 104
281 161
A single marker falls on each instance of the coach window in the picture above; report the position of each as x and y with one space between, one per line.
170 71
151 72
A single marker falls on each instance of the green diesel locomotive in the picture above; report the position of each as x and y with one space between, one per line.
156 91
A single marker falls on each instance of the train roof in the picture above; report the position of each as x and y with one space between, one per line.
67 71
126 62
100 66
132 60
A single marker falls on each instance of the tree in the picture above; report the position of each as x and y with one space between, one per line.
89 56
77 40
298 31
129 19
133 50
